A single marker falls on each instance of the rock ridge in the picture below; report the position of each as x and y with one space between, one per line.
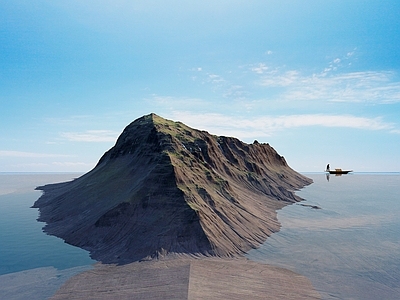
166 188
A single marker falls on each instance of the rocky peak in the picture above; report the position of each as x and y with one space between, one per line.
168 188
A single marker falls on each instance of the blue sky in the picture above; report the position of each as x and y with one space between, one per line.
318 80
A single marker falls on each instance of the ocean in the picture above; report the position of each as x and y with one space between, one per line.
33 265
23 245
345 237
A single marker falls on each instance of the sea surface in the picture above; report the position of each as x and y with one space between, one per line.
33 265
23 245
345 237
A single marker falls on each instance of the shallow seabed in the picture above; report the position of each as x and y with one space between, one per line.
349 247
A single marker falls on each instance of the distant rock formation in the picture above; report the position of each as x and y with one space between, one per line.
165 188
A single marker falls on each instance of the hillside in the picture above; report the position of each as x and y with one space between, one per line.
165 188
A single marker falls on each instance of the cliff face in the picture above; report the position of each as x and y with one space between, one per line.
167 188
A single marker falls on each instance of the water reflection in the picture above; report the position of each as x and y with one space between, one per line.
23 245
349 248
336 175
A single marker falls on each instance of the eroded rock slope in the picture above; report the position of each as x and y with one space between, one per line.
167 188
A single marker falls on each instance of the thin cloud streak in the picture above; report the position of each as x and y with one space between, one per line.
92 136
71 164
23 154
370 87
269 125
334 83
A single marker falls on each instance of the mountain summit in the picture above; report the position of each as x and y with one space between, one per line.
166 188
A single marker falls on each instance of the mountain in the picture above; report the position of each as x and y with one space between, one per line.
166 188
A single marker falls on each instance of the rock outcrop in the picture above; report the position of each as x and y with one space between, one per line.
165 188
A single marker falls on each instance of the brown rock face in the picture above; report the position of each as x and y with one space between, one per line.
167 188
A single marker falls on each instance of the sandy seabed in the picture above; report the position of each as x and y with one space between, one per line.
188 278
35 284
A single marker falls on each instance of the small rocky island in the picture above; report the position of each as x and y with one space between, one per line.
166 188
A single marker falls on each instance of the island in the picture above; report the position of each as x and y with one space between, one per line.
169 197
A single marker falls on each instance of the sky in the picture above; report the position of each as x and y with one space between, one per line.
317 80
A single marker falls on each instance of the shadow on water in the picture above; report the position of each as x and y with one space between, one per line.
328 175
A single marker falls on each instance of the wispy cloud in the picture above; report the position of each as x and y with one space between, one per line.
71 164
214 78
91 136
269 125
220 84
260 68
334 82
367 87
22 154
181 101
396 131
70 120
51 166
275 78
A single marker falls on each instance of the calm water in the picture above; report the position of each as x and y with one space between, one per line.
350 248
23 245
